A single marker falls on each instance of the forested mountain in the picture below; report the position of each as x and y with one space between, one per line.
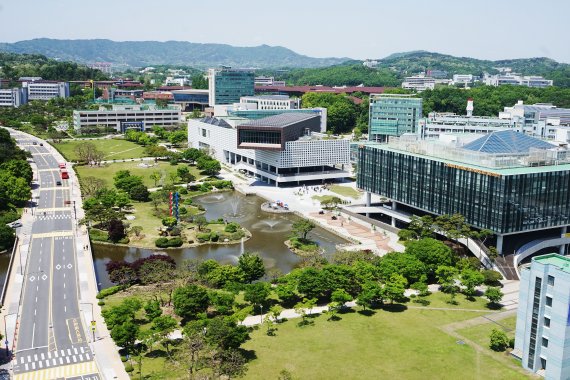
145 53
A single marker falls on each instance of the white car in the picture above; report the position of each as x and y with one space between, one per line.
15 224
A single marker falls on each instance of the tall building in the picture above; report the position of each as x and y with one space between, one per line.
512 184
281 149
393 115
542 339
227 85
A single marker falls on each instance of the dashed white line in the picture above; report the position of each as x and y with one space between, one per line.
67 359
68 351
42 356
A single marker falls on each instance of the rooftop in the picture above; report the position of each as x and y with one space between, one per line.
508 141
279 121
559 261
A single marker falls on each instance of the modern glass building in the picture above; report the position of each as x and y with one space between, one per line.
227 85
393 115
542 339
506 182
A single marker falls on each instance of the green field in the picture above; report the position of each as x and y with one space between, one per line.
480 333
345 191
386 345
114 149
108 171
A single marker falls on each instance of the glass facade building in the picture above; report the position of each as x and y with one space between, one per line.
227 85
393 115
504 200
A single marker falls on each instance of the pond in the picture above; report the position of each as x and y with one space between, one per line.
268 230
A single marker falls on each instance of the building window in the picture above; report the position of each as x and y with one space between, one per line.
546 322
551 280
544 342
548 301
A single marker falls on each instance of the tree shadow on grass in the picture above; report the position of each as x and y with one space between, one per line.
366 313
395 308
249 355
334 318
346 310
157 354
494 306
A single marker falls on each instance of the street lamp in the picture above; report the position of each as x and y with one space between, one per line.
6 336
261 315
92 319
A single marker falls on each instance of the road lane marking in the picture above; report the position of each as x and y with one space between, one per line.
33 333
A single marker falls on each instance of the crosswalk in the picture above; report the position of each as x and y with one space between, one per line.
53 216
84 371
38 361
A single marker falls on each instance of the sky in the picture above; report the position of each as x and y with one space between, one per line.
359 29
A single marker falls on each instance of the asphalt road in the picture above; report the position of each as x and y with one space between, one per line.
50 332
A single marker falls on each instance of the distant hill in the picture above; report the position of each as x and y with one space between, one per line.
392 69
147 53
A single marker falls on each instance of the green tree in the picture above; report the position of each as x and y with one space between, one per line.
340 296
7 238
163 326
209 166
222 301
192 154
395 287
200 221
403 263
136 230
446 277
257 293
190 300
169 221
286 293
372 294
302 227
499 341
494 295
224 333
433 253
139 193
125 334
156 176
312 283
470 279
152 309
252 266
184 173
199 81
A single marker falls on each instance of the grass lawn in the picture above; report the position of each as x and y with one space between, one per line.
345 191
386 345
114 149
480 333
108 171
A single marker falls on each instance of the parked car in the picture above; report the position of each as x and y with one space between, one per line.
15 224
41 144
34 142
58 183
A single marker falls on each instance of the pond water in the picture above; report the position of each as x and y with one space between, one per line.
268 230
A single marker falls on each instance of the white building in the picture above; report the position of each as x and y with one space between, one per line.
542 340
370 63
419 83
269 102
123 117
280 149
12 97
43 90
462 79
268 81
516 80
178 81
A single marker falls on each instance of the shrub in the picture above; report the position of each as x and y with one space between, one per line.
203 237
232 227
175 242
183 191
109 291
214 236
183 210
161 242
124 240
129 368
175 231
492 277
101 303
237 235
499 341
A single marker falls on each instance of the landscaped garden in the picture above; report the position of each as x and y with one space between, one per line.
112 149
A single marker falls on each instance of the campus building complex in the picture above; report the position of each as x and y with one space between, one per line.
45 90
393 115
516 80
125 117
286 148
512 184
12 97
227 85
542 340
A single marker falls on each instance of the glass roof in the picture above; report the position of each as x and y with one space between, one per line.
507 142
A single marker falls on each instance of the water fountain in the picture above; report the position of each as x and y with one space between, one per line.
235 206
272 223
